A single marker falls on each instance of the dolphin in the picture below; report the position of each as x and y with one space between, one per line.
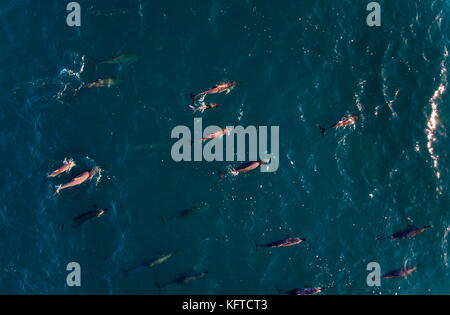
193 210
121 59
65 168
218 88
400 273
103 83
217 134
152 262
290 241
80 179
204 107
308 291
83 218
250 166
344 122
183 279
410 232
189 212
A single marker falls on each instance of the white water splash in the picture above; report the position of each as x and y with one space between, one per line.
74 73
140 10
445 246
240 112
361 86
391 103
417 147
201 100
100 175
433 121
100 170
65 76
390 99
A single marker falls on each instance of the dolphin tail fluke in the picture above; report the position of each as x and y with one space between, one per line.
194 109
58 189
265 161
234 172
256 246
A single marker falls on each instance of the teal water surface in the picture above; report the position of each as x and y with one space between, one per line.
300 63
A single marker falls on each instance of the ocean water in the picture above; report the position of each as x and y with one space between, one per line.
300 63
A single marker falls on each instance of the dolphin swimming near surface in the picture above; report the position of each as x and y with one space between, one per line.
65 168
83 218
217 134
344 122
410 232
80 179
103 83
189 212
219 88
290 241
247 167
121 59
151 263
184 279
204 107
305 291
193 210
400 273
